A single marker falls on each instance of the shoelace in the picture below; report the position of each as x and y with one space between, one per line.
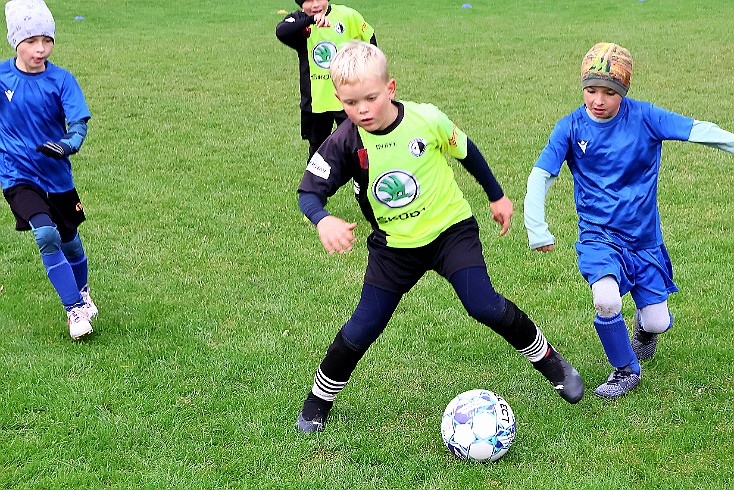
618 377
75 316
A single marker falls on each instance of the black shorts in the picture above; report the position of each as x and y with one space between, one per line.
399 269
316 127
65 208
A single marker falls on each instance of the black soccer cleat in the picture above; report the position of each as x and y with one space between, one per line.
307 426
313 414
562 376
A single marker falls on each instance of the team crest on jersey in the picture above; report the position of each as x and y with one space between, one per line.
339 28
395 188
323 53
417 147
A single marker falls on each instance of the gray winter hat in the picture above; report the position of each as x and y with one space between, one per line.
28 18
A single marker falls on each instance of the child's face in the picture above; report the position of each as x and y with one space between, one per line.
602 102
368 102
33 53
313 7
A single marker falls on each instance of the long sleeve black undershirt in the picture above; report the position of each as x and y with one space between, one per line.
477 166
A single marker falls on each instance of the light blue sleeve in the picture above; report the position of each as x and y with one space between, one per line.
709 134
539 182
75 135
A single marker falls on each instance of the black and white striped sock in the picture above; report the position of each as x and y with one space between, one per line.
325 387
537 349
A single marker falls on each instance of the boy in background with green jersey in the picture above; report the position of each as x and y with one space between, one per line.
317 32
394 152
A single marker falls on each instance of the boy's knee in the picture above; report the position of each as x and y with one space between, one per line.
607 307
657 323
48 239
607 300
73 249
487 312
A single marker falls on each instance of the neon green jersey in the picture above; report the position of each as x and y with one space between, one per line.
413 192
322 45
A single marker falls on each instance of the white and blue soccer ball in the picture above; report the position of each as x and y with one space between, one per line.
478 425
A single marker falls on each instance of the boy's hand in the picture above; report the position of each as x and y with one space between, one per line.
502 210
545 248
57 151
321 20
336 234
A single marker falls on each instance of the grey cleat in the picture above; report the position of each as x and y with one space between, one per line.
643 343
619 383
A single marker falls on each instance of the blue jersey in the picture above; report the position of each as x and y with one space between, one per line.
34 109
615 168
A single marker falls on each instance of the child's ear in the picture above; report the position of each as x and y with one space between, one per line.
391 88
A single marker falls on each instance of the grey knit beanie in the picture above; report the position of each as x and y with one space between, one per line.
28 18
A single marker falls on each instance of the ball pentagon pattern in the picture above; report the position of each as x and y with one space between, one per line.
478 425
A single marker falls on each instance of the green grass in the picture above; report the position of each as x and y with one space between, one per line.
217 301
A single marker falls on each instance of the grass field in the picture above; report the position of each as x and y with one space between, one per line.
217 301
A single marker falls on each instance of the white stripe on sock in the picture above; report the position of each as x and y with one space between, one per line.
537 349
325 387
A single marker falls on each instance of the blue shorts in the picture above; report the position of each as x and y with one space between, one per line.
646 274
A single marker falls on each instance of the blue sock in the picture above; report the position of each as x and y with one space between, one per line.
62 277
616 342
81 272
74 253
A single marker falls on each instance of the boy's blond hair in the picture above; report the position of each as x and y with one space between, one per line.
356 61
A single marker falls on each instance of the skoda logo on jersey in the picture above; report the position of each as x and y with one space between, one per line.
323 53
339 28
417 147
395 188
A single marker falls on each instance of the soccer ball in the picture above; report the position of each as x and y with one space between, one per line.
478 425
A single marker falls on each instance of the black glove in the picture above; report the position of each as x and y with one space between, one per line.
57 151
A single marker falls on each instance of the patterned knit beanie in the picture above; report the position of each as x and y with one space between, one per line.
607 65
28 18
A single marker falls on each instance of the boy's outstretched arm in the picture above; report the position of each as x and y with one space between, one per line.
477 166
292 31
335 234
539 236
709 134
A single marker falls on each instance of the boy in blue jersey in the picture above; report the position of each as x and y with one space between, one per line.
316 33
394 153
43 120
612 145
